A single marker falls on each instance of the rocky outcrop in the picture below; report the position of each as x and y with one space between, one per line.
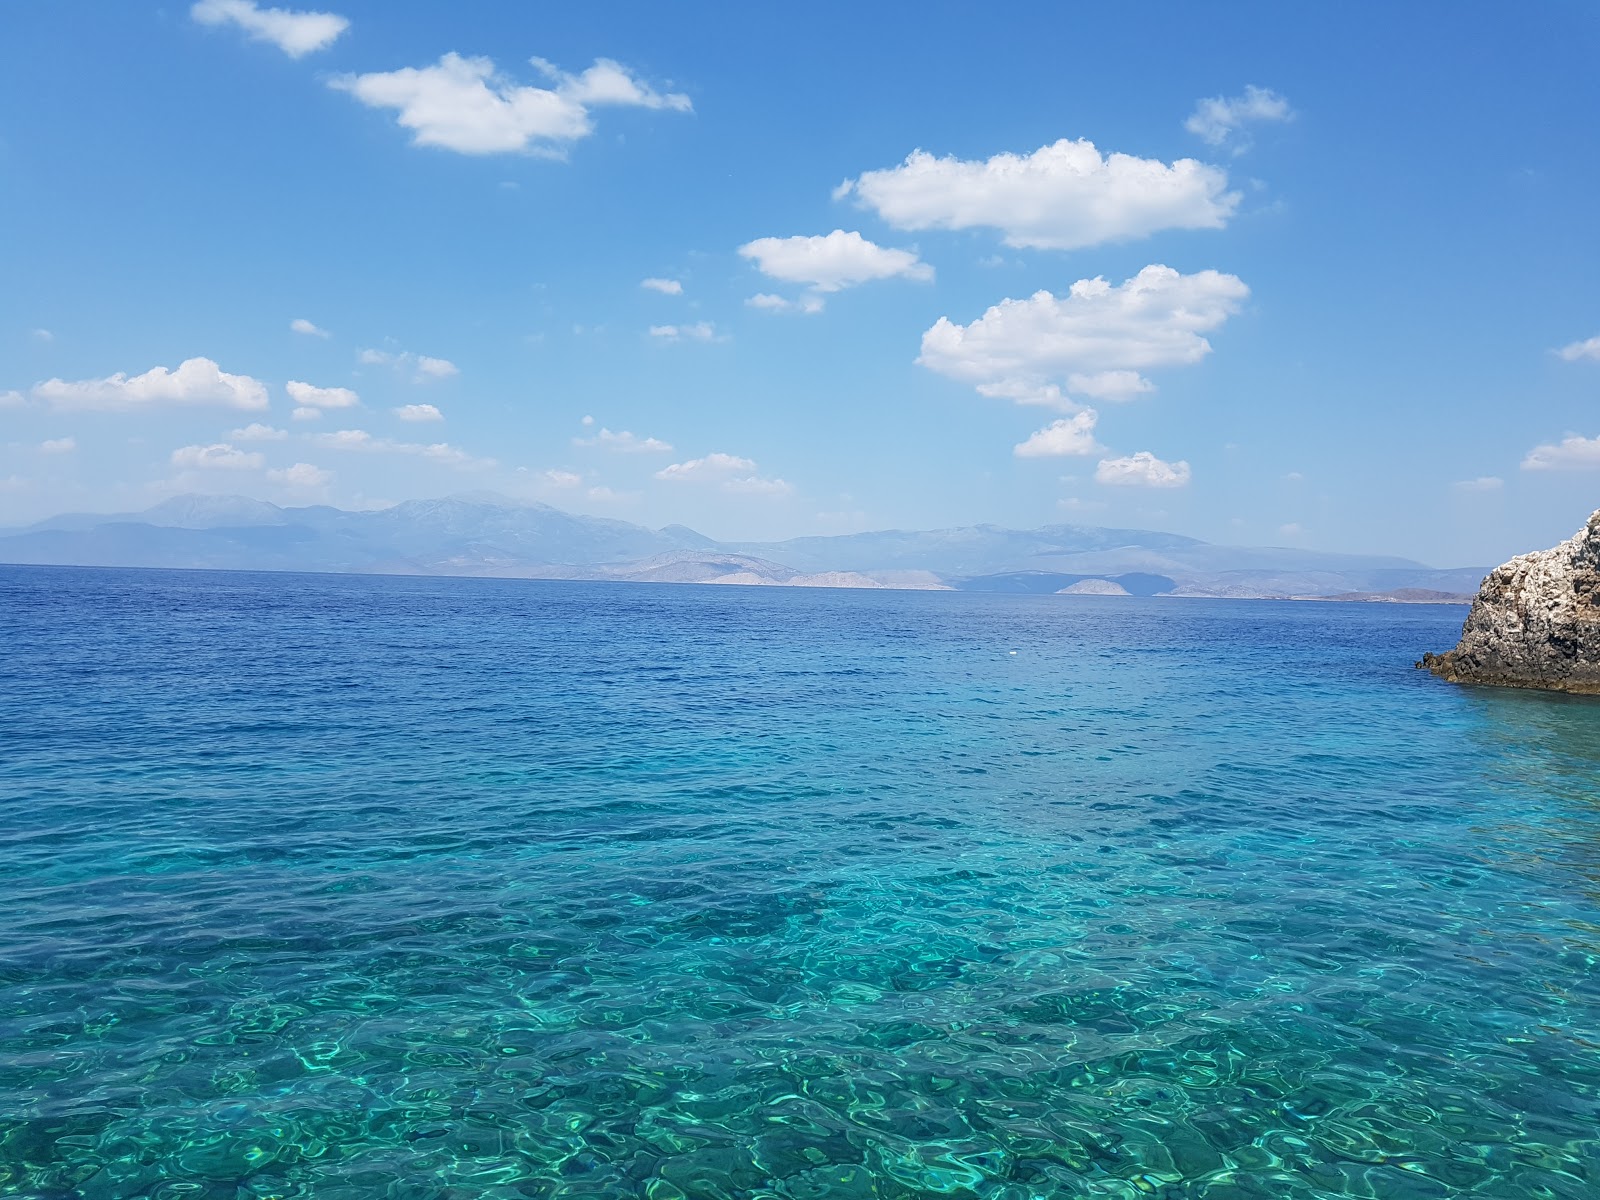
1535 622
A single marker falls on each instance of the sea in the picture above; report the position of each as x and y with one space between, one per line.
447 889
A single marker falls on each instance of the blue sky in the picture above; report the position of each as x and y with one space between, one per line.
1305 275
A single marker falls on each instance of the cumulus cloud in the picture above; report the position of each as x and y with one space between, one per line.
1069 436
730 472
467 105
1588 348
61 445
700 331
295 33
196 381
423 366
832 261
301 325
257 432
418 412
361 440
562 479
1572 453
755 485
1109 385
309 396
1063 196
306 414
12 399
1220 120
301 475
218 456
711 468
625 443
1141 470
806 305
1096 338
667 287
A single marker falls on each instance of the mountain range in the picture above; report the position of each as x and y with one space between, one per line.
490 535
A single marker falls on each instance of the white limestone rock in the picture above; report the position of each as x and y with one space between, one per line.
1535 622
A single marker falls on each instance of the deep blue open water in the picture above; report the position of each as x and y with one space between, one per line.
346 887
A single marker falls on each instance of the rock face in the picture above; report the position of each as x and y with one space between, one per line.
1535 622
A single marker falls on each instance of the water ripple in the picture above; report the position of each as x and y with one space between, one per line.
337 887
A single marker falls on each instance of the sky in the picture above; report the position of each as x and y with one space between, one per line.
1307 275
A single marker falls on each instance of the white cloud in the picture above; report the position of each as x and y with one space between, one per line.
667 287
587 421
62 445
755 485
301 325
700 331
306 414
1484 483
301 475
1219 120
1572 453
466 105
562 479
1292 529
1064 196
12 399
361 440
41 335
295 33
219 455
1109 385
1588 348
426 366
1141 470
257 432
1096 338
308 396
834 261
712 468
1069 436
609 82
625 443
418 412
806 305
728 471
196 381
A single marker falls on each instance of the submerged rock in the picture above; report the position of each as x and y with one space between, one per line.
1535 622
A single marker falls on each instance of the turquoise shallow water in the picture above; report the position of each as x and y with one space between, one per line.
348 887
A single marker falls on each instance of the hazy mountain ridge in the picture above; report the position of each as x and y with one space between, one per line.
486 535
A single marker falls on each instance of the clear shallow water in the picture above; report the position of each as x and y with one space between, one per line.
344 887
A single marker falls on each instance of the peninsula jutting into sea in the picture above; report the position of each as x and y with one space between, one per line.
485 535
